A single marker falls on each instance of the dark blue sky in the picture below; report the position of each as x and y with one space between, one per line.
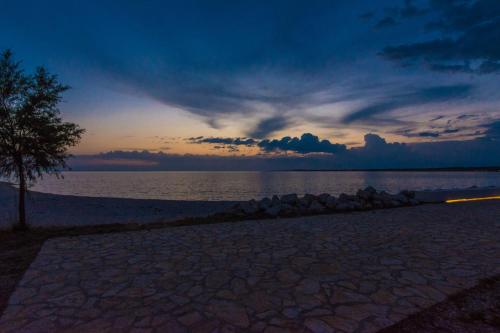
151 74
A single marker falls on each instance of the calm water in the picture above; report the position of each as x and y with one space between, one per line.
247 185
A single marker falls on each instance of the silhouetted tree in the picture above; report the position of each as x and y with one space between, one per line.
33 138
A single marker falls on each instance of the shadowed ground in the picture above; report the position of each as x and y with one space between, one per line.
475 310
345 272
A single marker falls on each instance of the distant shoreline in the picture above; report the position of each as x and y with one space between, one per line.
445 169
451 169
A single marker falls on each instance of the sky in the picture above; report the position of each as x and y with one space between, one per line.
270 84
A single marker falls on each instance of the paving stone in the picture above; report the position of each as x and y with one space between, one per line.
318 326
341 323
383 296
342 295
345 272
217 279
230 312
288 276
190 319
308 287
291 312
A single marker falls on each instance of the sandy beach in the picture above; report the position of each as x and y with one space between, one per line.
64 210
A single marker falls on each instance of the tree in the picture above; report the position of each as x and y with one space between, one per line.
33 138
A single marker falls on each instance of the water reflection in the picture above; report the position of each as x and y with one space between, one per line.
247 185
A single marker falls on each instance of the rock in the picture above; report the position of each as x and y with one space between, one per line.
265 203
316 207
303 203
388 200
290 199
370 190
413 202
307 199
368 206
303 210
287 209
394 203
408 194
356 205
401 198
323 198
273 211
349 202
292 205
234 210
249 207
343 206
331 202
362 194
366 195
346 197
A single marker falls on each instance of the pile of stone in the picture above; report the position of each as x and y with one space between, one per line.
309 204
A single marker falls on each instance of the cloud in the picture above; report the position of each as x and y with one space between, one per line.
489 67
493 131
376 153
224 141
415 133
436 118
212 59
386 22
437 94
469 31
307 61
409 10
428 134
396 14
269 126
366 16
308 143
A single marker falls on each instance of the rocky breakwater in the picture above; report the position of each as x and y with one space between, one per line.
293 205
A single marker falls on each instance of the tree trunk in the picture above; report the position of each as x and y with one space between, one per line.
22 207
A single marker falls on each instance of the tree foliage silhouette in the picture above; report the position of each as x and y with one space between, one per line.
34 140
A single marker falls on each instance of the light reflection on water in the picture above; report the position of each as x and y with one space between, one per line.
248 185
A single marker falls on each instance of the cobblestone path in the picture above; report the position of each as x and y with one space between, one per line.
340 273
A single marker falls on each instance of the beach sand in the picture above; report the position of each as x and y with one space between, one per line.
45 209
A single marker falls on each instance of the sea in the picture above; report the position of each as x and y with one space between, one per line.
215 186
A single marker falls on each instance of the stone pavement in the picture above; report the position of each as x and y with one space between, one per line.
353 272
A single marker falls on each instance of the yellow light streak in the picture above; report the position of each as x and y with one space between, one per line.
473 199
